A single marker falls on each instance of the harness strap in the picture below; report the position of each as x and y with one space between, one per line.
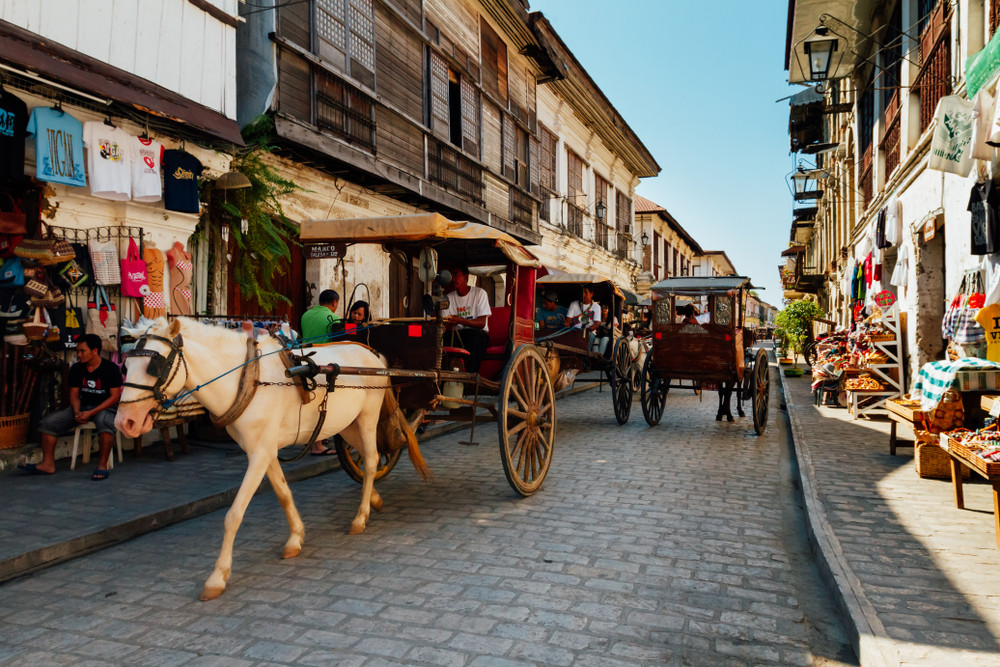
319 426
286 358
249 377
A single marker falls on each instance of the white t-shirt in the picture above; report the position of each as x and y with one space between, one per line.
473 305
147 156
592 310
108 160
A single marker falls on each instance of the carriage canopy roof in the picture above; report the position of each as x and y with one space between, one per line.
579 279
414 228
702 285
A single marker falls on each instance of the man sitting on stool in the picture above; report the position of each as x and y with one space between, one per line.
95 387
467 314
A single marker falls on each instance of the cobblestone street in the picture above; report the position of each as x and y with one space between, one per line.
676 545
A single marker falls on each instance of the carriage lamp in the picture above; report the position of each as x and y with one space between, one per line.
820 49
600 210
644 239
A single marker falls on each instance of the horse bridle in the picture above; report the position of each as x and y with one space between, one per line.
160 367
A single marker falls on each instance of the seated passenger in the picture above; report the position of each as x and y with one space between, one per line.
586 314
467 316
550 315
358 313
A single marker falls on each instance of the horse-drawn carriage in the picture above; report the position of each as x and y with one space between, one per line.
575 347
426 361
707 348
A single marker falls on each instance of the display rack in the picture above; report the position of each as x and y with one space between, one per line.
889 373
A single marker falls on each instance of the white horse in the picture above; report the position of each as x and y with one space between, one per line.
274 418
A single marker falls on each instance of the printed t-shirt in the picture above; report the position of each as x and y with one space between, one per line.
58 147
550 319
180 181
591 310
13 130
316 323
147 156
989 319
108 160
983 202
95 387
473 305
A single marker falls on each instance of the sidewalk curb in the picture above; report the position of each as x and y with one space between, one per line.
873 646
39 559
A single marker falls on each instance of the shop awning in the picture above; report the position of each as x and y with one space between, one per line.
28 51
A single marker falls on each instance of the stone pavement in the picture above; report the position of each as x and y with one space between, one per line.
646 546
920 576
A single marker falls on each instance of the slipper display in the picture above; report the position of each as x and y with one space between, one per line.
32 469
325 452
99 476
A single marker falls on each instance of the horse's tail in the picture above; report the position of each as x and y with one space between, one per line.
391 407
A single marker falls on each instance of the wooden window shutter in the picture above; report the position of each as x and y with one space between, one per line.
502 69
575 193
470 118
532 101
362 36
656 255
509 147
488 53
439 97
331 27
545 160
534 159
623 213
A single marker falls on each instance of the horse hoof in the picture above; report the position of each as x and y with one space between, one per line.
210 593
376 504
356 528
291 552
729 418
718 418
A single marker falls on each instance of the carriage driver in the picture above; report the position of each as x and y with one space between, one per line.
467 315
586 313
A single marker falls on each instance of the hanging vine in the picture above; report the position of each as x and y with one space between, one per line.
254 218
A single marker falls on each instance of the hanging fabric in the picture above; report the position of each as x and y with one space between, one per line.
982 118
949 151
900 273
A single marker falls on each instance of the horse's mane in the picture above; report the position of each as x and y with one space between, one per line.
211 335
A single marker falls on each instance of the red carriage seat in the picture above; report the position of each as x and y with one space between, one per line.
499 332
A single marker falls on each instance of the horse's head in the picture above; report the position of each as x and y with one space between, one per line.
152 375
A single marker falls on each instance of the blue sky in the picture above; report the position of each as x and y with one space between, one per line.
698 83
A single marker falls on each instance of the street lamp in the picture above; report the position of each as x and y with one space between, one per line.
600 210
806 183
644 239
819 49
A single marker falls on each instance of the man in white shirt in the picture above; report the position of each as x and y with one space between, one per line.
586 314
468 314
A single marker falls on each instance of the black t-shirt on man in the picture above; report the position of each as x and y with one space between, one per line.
983 204
95 387
13 126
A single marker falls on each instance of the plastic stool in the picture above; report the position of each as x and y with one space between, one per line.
90 426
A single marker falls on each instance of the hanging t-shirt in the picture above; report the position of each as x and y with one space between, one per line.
108 160
989 319
58 146
147 156
180 181
473 305
949 149
13 130
899 274
983 204
868 270
893 222
982 119
880 240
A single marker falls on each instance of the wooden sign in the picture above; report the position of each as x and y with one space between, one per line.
930 230
325 250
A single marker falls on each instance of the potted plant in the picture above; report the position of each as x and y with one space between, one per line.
795 320
781 341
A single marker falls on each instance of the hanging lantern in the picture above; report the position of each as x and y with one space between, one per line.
819 49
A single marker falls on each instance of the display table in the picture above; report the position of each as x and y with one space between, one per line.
865 402
901 414
962 456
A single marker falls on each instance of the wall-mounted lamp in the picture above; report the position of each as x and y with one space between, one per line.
644 239
819 48
600 210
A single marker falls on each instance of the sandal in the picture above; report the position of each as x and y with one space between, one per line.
329 451
99 476
32 469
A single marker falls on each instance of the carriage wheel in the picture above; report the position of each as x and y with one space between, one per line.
748 372
654 393
621 380
760 391
635 374
526 419
353 463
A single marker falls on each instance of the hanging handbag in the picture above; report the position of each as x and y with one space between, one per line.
133 275
103 320
12 273
70 322
104 257
45 251
13 222
8 242
13 313
36 328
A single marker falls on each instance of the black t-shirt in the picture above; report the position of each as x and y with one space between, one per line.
13 132
95 388
983 204
180 181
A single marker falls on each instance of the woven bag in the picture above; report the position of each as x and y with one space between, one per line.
103 320
104 258
45 251
36 328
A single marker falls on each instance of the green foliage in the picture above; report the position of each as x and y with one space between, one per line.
264 246
795 321
782 340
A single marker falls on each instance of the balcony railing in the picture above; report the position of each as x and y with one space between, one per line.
623 249
522 210
890 137
865 179
574 220
603 235
344 111
450 168
933 81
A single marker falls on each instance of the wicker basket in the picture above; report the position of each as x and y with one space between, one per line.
13 430
934 462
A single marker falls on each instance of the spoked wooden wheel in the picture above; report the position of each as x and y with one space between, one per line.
621 380
760 391
353 463
526 419
654 393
